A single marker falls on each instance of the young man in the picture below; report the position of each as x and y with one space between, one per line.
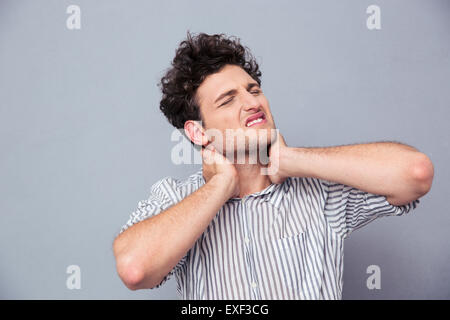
231 232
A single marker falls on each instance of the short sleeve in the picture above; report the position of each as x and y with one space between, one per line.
161 197
347 208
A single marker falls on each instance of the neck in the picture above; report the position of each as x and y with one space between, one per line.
250 179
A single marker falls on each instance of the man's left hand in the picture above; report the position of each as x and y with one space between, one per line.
277 160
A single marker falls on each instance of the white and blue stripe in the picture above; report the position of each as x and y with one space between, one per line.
284 242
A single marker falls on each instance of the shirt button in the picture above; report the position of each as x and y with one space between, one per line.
254 285
247 240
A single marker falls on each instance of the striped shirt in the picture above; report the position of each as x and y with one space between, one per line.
284 242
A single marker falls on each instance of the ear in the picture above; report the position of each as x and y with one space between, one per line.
195 132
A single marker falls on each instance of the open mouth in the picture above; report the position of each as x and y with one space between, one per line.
258 118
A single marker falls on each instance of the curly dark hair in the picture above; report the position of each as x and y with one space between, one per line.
197 57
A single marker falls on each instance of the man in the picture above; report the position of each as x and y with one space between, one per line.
231 232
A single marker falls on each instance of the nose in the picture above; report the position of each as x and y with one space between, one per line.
250 102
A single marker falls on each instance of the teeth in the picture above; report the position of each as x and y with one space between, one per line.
254 121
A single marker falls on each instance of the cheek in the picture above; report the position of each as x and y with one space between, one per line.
223 120
265 104
228 120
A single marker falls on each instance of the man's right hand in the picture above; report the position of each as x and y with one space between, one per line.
216 166
144 264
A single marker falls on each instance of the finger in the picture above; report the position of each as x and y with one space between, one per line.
206 153
205 141
210 147
207 156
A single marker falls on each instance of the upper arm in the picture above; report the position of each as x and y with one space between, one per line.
163 194
347 208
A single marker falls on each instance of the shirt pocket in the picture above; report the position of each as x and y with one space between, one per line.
292 260
286 224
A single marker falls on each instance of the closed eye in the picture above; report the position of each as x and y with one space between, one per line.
226 102
231 98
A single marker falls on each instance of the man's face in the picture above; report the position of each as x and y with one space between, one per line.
231 99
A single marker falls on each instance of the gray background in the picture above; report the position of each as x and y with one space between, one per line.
82 139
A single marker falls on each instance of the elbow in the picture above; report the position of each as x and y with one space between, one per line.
135 277
423 173
127 268
130 274
132 278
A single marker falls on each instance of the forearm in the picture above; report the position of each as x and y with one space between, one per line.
391 169
148 250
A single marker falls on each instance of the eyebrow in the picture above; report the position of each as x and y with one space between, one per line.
250 85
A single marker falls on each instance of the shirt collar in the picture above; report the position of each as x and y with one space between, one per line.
273 193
